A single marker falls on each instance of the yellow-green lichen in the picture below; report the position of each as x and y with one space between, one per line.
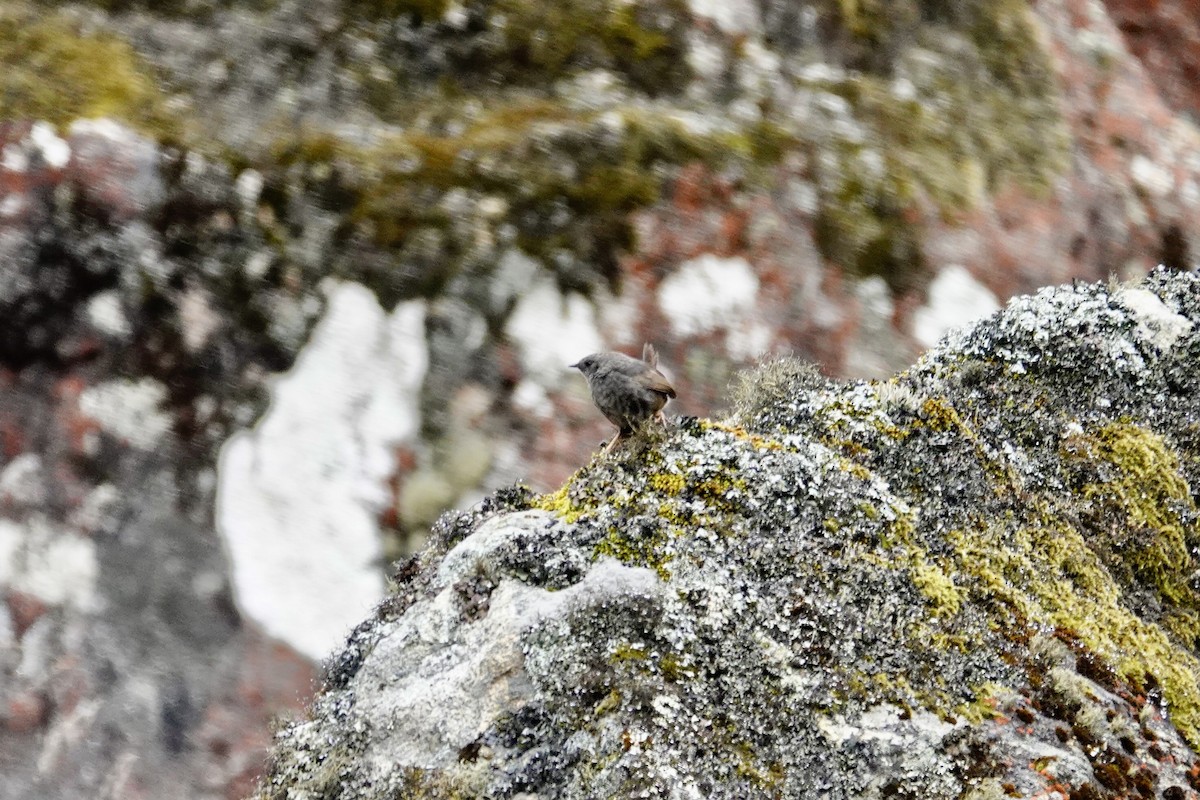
1139 497
52 69
642 548
751 767
629 652
560 503
939 415
610 703
668 483
1049 574
757 441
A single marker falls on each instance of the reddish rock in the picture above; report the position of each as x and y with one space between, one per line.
24 609
234 735
26 712
1165 37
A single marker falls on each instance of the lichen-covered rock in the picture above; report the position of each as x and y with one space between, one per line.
976 579
523 181
134 338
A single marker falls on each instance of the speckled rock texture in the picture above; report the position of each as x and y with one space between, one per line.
977 579
498 187
131 344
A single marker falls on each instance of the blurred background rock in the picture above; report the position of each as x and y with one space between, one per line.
279 281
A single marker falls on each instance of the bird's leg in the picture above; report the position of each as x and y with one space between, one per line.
608 448
662 419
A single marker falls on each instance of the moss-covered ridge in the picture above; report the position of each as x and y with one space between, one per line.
946 109
975 579
557 183
423 130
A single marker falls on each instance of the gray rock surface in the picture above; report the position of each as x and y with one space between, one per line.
976 579
131 345
526 181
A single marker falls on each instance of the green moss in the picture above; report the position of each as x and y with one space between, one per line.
1139 499
196 9
542 40
982 113
1049 574
561 186
866 221
52 70
629 652
773 383
418 10
985 706
934 581
535 43
428 784
937 586
674 668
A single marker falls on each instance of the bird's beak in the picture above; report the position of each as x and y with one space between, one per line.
573 366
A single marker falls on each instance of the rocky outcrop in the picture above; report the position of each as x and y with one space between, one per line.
976 579
451 201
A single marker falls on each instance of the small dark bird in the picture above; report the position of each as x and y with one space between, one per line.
626 390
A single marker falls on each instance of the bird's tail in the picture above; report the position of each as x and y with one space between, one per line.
649 355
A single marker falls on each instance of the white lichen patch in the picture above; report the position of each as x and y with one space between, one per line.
1084 320
710 293
731 16
106 314
249 187
1154 178
1156 323
299 496
49 561
198 320
22 481
955 299
97 509
129 410
53 149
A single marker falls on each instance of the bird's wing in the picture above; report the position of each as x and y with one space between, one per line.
628 366
655 381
